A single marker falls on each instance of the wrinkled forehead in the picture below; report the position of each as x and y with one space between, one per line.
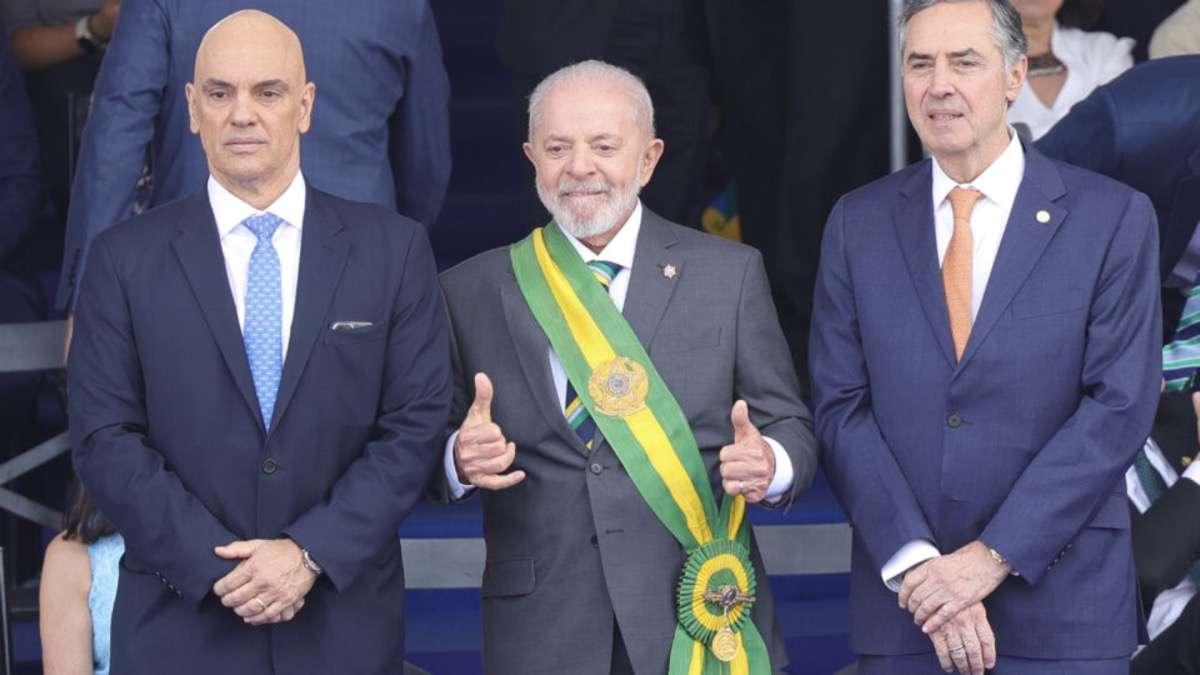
949 29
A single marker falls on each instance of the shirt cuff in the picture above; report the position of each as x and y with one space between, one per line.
457 489
1192 472
781 483
909 556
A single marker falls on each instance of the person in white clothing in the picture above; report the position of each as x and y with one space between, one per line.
1065 62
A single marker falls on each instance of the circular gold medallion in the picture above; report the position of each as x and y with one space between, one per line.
724 645
619 387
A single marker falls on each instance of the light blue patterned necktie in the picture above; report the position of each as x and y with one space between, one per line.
263 329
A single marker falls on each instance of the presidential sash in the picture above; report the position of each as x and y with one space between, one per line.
640 418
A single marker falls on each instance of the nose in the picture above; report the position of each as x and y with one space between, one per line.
941 83
242 114
580 164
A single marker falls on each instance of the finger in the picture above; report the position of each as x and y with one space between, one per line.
974 650
742 427
501 482
987 639
272 614
919 595
474 438
236 578
251 608
949 608
958 654
928 608
245 594
481 408
732 487
906 589
236 550
943 651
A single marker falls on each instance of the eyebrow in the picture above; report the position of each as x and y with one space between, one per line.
268 84
969 51
213 83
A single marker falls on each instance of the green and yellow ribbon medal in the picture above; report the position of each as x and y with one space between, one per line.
647 429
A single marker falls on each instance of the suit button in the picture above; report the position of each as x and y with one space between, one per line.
954 421
596 468
269 466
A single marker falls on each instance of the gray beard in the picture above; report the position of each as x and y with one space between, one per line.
618 204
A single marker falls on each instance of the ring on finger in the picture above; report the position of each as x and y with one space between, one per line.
262 606
958 650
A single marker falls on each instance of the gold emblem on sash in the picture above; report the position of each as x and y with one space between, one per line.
619 387
724 645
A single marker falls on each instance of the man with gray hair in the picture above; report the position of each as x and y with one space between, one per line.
985 365
623 389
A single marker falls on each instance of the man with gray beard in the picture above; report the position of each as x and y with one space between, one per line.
622 390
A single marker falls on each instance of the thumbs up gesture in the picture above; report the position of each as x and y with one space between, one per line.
747 464
481 453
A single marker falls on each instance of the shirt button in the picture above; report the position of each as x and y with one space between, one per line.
269 466
596 468
954 421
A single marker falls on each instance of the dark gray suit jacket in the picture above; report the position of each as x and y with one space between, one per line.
574 544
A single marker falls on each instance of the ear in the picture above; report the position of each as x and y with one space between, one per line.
1016 78
308 97
189 90
649 159
528 148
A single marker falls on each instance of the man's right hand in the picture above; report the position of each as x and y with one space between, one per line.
481 453
966 642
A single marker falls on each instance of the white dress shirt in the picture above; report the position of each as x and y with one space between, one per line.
1092 59
621 251
999 184
238 242
1169 604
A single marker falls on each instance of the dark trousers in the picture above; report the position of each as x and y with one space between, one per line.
1176 651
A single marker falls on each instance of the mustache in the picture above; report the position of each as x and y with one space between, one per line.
567 185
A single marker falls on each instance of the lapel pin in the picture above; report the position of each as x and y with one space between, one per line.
669 271
1043 216
1185 461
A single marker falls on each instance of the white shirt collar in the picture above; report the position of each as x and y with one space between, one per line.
622 247
998 183
229 211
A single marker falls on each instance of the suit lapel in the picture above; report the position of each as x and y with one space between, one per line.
322 258
1025 238
918 240
533 349
650 288
198 248
1185 213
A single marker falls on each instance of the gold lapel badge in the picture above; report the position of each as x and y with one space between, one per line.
1043 216
619 387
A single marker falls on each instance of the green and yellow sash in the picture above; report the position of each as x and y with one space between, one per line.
642 421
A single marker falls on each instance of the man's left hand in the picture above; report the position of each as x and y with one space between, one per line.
940 588
270 580
748 464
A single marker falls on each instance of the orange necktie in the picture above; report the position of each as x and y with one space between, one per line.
956 267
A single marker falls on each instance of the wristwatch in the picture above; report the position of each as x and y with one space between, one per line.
87 40
310 564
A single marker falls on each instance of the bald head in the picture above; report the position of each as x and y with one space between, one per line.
251 32
250 101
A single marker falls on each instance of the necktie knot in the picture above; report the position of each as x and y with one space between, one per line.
962 202
263 225
604 271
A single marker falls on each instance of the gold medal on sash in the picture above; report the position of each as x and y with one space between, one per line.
725 645
619 387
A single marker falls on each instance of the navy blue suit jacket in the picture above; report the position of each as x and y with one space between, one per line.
382 94
1024 442
169 441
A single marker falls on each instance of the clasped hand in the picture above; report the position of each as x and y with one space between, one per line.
269 583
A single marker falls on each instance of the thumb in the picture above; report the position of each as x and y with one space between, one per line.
481 407
237 550
742 427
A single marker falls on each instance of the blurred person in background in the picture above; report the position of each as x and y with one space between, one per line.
1066 62
1179 33
79 585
